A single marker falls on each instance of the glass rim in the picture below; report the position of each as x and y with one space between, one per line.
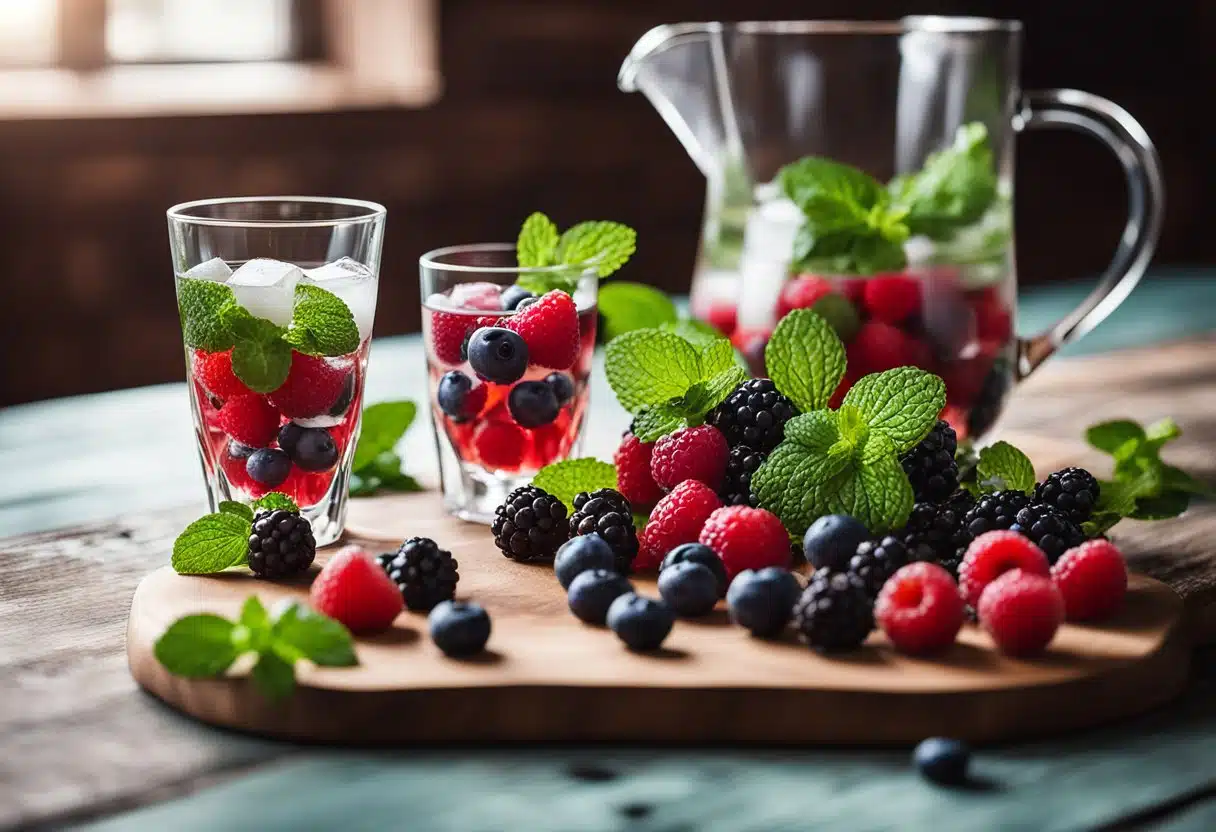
372 211
429 261
945 24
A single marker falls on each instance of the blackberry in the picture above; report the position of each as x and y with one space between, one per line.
1073 491
740 465
876 561
930 465
280 544
936 532
994 511
424 573
530 525
835 612
754 414
608 514
1049 528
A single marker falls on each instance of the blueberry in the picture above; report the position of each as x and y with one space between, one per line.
525 303
697 553
459 628
562 386
289 434
347 396
453 395
690 589
268 466
314 450
238 451
513 295
498 354
532 404
642 623
763 601
943 760
592 593
578 554
832 540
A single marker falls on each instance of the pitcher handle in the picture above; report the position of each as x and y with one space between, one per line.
1114 127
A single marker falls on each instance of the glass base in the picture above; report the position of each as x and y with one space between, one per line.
479 492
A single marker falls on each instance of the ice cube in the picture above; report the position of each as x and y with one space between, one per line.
768 245
214 269
266 288
354 283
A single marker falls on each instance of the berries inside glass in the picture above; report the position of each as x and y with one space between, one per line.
508 370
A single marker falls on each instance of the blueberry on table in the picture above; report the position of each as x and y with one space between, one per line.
762 602
497 354
314 450
943 760
563 386
697 553
690 589
459 628
453 395
642 623
533 404
832 540
512 296
592 593
577 555
268 466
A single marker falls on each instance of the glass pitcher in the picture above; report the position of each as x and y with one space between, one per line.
898 228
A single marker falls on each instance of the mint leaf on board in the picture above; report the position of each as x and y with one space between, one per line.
1161 506
321 323
805 359
1003 467
261 358
274 676
902 403
654 421
953 189
202 303
197 646
383 426
624 307
212 543
254 615
1115 435
383 472
316 637
1175 479
606 245
648 366
275 500
239 509
565 479
536 245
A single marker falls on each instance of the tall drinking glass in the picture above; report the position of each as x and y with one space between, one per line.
277 297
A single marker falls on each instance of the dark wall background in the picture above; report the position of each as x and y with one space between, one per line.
531 118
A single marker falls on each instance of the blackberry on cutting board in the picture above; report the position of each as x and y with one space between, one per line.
609 515
835 612
1049 528
930 465
740 465
280 544
936 532
877 560
530 524
1073 491
424 573
754 414
994 511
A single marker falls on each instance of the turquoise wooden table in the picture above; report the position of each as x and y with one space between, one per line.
81 746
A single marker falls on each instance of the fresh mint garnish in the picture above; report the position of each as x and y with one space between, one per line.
537 242
655 421
954 187
321 323
197 646
261 358
314 636
202 303
376 465
697 333
239 509
383 473
212 543
624 307
275 500
608 245
805 359
1002 467
565 479
902 403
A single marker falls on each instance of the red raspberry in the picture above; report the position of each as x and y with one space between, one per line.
801 293
499 445
1092 578
992 554
550 329
842 388
633 477
214 371
723 317
746 538
448 331
919 609
355 591
698 453
877 347
1021 611
993 323
311 388
249 419
678 518
957 417
892 298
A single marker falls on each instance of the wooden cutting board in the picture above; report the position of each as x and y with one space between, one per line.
548 677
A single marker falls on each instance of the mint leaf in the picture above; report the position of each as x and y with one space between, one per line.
261 358
536 245
540 283
1113 435
902 403
805 359
318 638
211 544
1161 506
201 303
697 333
831 195
1004 467
840 314
655 421
275 500
1161 432
628 306
713 392
609 244
1175 479
647 366
565 479
254 615
239 509
382 427
953 189
273 675
880 496
321 323
717 357
863 251
197 646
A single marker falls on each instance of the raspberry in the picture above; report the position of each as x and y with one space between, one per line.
920 609
1073 491
992 554
678 518
499 445
1092 579
879 346
753 414
892 298
698 453
311 388
550 329
450 331
354 590
214 371
1021 611
633 477
930 465
746 538
723 317
801 293
249 419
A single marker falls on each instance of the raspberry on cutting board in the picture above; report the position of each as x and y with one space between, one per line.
354 590
1092 579
633 477
678 518
550 329
746 538
1021 611
991 555
698 453
919 609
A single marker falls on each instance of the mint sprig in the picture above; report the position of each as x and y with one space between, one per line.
261 357
805 359
1002 467
625 306
321 323
536 245
220 541
206 645
201 304
565 479
600 243
377 466
953 189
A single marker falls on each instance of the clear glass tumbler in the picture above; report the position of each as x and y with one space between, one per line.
277 296
493 437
